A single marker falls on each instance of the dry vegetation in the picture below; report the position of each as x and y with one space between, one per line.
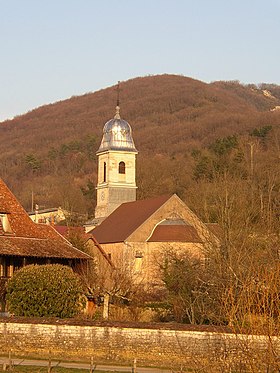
218 147
175 119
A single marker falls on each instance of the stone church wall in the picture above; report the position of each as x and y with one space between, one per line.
158 347
142 260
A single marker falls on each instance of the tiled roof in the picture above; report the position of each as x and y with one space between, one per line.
36 247
66 231
174 233
28 238
119 225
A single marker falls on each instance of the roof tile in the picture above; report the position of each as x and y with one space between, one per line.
28 238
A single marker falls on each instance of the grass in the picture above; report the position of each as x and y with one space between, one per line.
34 369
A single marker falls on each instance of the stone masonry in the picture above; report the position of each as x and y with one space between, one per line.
154 347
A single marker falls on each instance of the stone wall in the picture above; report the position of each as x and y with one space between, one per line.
154 347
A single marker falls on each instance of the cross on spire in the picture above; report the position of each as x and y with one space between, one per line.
118 93
117 115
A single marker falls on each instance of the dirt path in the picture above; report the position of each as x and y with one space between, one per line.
85 366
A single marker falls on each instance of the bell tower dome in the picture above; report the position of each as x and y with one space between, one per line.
116 180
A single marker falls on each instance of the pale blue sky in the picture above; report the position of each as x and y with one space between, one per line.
53 49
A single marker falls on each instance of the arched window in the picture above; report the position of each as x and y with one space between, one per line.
121 168
104 172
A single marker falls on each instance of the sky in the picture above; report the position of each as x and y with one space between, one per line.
51 50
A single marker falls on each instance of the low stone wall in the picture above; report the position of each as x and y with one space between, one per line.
154 347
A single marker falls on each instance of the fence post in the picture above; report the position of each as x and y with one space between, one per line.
50 363
10 360
134 369
106 306
91 369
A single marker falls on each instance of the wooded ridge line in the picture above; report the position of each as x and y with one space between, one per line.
183 123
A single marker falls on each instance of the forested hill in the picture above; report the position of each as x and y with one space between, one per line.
180 125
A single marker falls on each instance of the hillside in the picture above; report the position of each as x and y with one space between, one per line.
175 119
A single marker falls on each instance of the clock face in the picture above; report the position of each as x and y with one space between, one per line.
102 196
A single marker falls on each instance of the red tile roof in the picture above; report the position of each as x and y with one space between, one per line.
174 233
28 238
118 226
66 231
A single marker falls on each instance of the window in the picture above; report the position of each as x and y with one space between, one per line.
6 267
4 224
121 168
104 172
138 263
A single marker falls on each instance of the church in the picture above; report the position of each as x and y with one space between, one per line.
137 234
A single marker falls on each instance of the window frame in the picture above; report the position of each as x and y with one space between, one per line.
122 168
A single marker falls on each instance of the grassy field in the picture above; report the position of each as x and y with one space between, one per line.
33 369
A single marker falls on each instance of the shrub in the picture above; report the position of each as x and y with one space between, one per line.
45 290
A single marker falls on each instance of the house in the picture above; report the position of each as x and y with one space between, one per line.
24 242
98 276
99 271
103 266
50 216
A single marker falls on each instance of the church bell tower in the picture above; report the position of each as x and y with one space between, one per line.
116 180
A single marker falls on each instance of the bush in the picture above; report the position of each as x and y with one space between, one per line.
45 290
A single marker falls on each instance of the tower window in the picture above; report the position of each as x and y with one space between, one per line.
104 172
121 168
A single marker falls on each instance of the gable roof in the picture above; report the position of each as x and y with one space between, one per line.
122 222
26 238
101 250
67 231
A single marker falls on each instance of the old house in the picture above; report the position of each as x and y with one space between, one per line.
49 216
24 242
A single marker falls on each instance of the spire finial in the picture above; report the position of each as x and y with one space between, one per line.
118 93
117 115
